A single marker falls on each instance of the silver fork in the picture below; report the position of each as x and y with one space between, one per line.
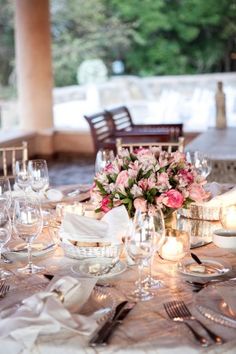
186 314
173 314
4 288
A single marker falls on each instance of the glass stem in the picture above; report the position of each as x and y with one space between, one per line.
150 267
140 276
29 255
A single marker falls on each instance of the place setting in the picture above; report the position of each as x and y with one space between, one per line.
87 265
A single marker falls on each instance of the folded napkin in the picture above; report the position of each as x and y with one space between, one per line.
46 313
111 227
221 194
228 294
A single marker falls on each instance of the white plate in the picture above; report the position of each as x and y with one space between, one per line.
84 268
213 268
211 305
38 249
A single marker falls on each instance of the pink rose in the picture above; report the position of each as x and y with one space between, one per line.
122 179
106 204
140 203
197 193
172 199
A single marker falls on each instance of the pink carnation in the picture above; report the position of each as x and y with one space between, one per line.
172 199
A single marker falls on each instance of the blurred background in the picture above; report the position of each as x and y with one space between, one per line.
61 59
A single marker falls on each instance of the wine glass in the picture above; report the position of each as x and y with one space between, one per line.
5 192
200 161
5 235
23 177
202 164
103 158
158 225
139 245
38 171
28 223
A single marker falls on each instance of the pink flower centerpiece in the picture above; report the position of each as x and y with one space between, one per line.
148 176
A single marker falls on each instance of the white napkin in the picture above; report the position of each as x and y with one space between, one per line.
222 195
112 227
44 313
52 194
228 294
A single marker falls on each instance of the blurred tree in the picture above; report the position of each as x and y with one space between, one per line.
6 41
84 30
179 36
151 37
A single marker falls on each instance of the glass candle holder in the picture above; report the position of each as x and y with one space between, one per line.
228 217
176 245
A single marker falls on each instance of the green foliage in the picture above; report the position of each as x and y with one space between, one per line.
6 41
84 30
152 37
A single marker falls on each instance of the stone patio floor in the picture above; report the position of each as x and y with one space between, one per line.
66 170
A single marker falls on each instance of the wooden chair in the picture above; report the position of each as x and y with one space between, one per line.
101 130
123 126
168 146
9 155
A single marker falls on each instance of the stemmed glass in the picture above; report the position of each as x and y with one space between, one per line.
28 223
158 225
5 234
103 158
139 245
5 193
38 171
23 177
201 162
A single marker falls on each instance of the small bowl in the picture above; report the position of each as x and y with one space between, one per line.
225 238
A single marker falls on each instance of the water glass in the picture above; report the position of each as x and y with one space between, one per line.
103 158
23 177
156 219
201 162
139 246
28 224
38 171
5 235
5 192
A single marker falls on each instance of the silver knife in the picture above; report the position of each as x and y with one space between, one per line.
102 336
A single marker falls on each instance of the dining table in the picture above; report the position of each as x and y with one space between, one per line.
147 328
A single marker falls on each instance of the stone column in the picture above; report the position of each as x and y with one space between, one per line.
33 63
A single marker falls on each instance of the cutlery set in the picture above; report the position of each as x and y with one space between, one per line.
176 310
102 336
179 312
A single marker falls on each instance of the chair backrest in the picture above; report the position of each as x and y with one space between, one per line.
100 127
168 146
9 155
120 118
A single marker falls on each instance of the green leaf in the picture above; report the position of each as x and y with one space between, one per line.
101 188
